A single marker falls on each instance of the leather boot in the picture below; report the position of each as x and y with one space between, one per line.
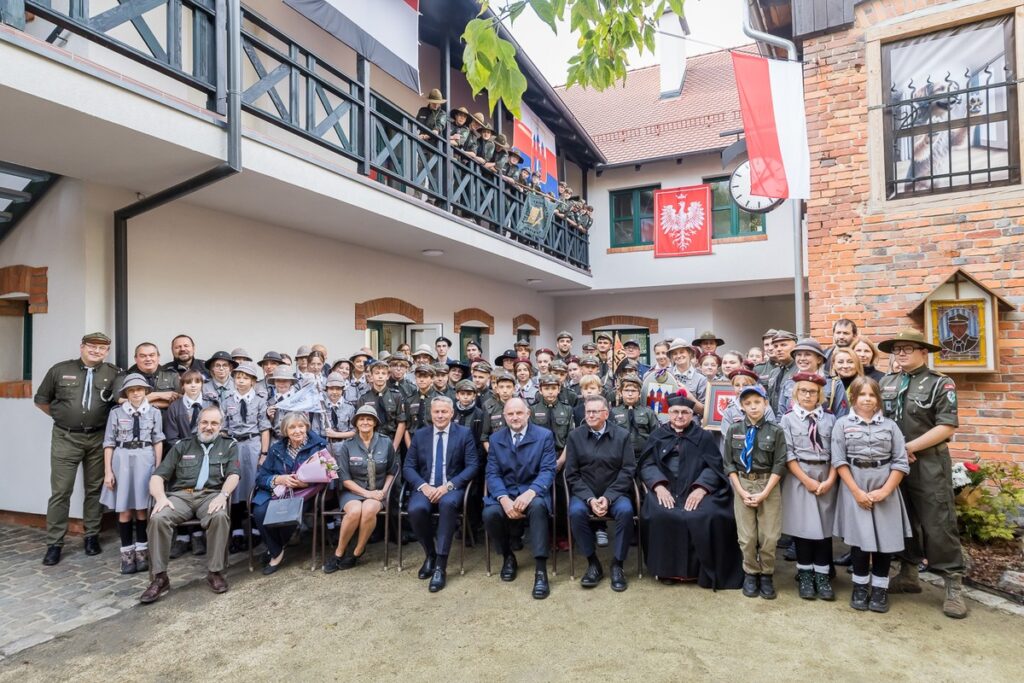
907 581
954 605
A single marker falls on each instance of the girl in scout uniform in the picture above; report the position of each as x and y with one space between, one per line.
870 454
132 448
246 421
808 356
809 492
526 388
335 423
285 385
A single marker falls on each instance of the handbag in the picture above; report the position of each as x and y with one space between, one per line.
285 511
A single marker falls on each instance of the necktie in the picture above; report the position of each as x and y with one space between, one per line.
901 395
195 416
334 418
136 427
382 413
813 435
747 456
439 461
423 410
87 390
632 421
243 410
204 469
516 438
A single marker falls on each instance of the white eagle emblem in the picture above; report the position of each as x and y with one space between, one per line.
683 224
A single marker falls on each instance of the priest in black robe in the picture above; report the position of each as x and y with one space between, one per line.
689 532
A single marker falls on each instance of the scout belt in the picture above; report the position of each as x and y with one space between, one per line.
81 430
132 444
868 462
244 437
813 462
753 475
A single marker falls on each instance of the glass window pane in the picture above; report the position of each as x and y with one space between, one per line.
751 223
623 203
647 230
646 202
721 223
622 234
720 196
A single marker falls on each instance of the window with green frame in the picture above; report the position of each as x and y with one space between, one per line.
641 336
728 219
632 216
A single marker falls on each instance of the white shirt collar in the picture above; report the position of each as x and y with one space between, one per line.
247 397
802 414
141 410
875 419
445 431
190 402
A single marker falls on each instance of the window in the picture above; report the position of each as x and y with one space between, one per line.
470 334
15 340
641 336
632 216
951 110
728 219
524 334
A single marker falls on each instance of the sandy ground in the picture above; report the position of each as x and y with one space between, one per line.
386 626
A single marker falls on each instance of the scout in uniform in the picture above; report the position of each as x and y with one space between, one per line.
563 342
78 394
504 389
388 404
182 416
240 355
585 219
550 413
526 388
590 365
565 394
515 158
271 361
460 127
922 402
164 383
285 385
441 386
506 360
765 368
132 446
398 368
682 356
219 386
604 341
433 116
472 144
708 342
481 378
335 423
468 413
632 414
486 147
457 372
245 421
499 162
755 462
417 408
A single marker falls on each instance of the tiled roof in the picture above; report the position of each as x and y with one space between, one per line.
629 121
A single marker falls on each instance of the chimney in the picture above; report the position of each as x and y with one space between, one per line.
672 53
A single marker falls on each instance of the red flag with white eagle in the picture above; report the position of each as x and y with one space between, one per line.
682 221
771 95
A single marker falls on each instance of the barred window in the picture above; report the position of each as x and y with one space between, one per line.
951 110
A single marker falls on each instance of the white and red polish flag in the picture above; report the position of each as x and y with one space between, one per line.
771 95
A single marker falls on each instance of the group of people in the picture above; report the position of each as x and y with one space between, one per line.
477 141
812 445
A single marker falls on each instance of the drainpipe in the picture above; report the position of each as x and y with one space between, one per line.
232 166
798 247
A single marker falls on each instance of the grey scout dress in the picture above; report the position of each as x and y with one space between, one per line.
132 467
805 515
246 432
877 442
354 464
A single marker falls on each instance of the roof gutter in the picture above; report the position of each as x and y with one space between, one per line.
653 160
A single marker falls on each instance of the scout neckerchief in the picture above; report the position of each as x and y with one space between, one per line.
812 417
87 389
747 455
901 395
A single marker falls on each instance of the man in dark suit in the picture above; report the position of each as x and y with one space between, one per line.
599 468
520 471
440 464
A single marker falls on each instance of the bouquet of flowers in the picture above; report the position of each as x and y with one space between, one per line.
319 469
966 474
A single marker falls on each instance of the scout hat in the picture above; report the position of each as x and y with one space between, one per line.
248 367
441 368
781 335
680 344
273 356
221 355
434 97
482 366
283 372
809 377
399 357
564 334
509 353
604 335
385 356
462 110
514 153
462 366
708 335
303 351
769 333
631 378
341 361
96 338
465 385
548 380
135 380
367 410
424 369
521 343
479 118
753 389
360 352
424 350
240 354
446 340
746 373
335 380
680 399
909 336
504 376
811 345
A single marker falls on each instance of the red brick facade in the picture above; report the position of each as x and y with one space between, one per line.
650 324
467 314
873 260
525 319
374 307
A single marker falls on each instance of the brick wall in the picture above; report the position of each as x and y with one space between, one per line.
873 263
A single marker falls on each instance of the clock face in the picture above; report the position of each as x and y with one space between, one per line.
739 188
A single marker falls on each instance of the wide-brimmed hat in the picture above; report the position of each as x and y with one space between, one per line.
368 411
241 353
398 357
135 380
515 153
272 356
462 366
708 335
908 336
680 344
340 361
462 110
810 345
284 372
509 353
221 355
249 368
303 351
434 97
501 141
335 380
424 350
480 119
360 352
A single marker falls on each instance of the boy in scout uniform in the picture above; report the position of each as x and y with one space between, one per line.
784 367
563 344
504 389
499 163
565 394
220 385
441 386
486 147
922 403
418 407
388 403
398 365
78 394
764 370
634 415
432 116
481 378
550 413
460 127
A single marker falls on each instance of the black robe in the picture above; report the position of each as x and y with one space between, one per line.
700 544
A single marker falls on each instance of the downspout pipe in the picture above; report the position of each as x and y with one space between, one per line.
798 248
228 168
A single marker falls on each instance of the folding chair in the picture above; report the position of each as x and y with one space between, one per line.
403 511
554 547
338 513
595 518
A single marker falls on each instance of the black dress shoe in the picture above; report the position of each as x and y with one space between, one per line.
509 568
178 548
199 545
438 580
92 545
271 568
751 583
52 555
618 579
541 589
427 570
592 576
768 587
516 543
844 560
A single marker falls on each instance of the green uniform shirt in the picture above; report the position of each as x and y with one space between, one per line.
930 400
180 467
416 407
63 386
777 381
462 133
769 454
557 418
495 410
434 119
393 405
161 380
643 422
568 396
485 149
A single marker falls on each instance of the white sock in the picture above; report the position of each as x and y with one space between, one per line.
861 580
182 538
821 569
238 532
804 567
127 548
197 534
880 581
142 546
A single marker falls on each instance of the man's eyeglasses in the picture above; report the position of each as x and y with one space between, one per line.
904 348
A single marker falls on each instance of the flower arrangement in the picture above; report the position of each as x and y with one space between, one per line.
989 496
324 459
966 474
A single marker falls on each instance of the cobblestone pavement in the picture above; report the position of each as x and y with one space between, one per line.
38 603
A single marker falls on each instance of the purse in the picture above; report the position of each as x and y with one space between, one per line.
285 511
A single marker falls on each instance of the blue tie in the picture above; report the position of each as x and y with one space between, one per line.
204 469
439 461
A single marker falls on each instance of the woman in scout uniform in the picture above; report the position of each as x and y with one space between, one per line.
366 469
526 388
740 379
808 356
246 421
132 448
710 365
870 454
809 492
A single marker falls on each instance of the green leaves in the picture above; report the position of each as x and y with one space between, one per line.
606 29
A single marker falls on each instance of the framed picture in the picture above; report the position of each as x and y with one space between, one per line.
719 396
959 327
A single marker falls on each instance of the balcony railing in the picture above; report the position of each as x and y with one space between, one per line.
293 88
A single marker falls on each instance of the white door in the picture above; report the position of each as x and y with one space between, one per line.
424 334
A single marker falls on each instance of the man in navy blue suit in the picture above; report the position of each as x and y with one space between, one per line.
521 465
440 464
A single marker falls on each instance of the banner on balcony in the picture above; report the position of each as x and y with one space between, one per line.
386 32
537 144
682 221
535 221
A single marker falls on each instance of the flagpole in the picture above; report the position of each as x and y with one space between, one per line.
798 246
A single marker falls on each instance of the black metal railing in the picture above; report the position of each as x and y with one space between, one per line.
953 134
295 89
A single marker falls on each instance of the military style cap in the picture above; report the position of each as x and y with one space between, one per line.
303 351
241 353
434 97
248 367
521 343
810 345
589 346
745 372
604 335
398 357
221 355
335 380
96 338
440 368
504 376
273 356
462 110
284 372
548 380
769 333
135 380
753 389
631 379
483 366
444 339
631 342
465 385
558 365
590 360
424 370
424 350
708 335
809 377
958 317
909 337
564 334
626 365
368 411
781 335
